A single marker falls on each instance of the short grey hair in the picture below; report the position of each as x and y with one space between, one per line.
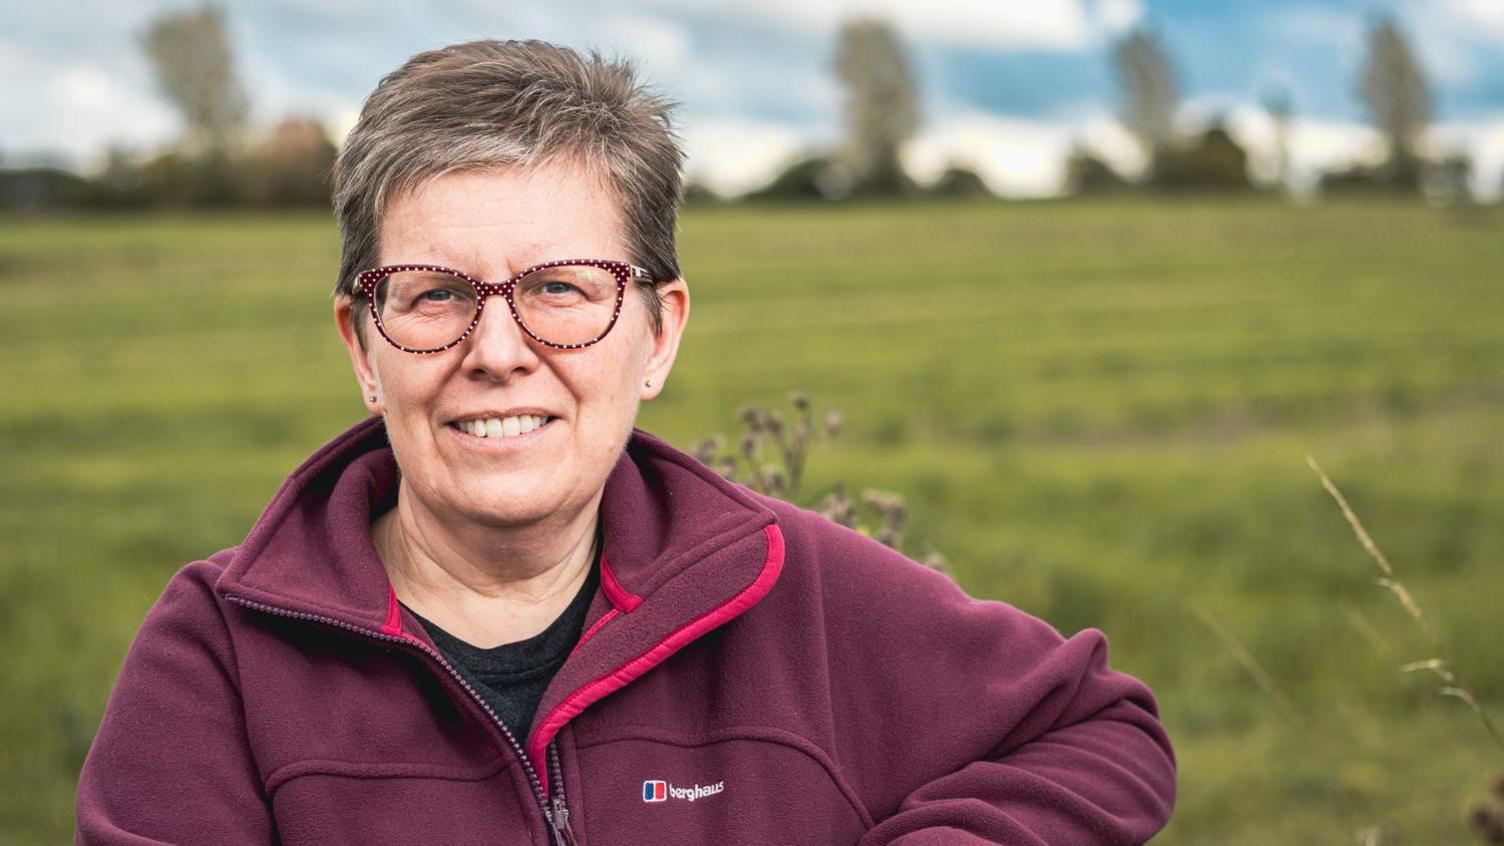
512 104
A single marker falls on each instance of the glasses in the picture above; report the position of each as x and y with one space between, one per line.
568 304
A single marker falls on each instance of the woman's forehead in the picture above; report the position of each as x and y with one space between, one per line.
496 222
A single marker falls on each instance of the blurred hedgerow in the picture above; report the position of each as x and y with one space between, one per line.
770 456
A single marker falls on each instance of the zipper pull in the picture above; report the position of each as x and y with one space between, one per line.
563 836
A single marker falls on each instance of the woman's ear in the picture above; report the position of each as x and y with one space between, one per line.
673 298
346 317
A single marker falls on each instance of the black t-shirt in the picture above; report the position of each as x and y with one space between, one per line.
513 676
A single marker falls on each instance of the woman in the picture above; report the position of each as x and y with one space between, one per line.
495 611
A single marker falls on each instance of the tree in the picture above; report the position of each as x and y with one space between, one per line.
1393 87
290 166
1149 90
1446 181
961 182
811 177
1278 104
1211 160
882 104
195 68
1088 173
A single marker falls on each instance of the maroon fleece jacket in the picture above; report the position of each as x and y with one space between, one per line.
749 673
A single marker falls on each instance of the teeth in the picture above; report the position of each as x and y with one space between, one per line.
503 427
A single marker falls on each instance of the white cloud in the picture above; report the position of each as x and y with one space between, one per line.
1484 19
343 122
1015 157
1118 16
736 156
725 87
1110 141
80 107
276 93
1320 146
1453 35
659 44
1317 146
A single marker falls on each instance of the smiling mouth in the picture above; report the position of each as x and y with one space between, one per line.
502 427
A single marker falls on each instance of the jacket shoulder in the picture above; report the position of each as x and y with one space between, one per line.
173 733
850 567
192 588
873 600
957 680
187 612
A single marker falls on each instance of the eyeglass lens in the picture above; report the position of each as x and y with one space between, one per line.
427 309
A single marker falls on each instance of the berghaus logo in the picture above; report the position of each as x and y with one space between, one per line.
655 790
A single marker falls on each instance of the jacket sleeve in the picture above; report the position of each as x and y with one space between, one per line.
171 762
978 723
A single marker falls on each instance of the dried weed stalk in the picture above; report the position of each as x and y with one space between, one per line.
770 456
1244 657
1487 818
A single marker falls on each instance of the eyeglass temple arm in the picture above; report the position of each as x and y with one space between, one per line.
637 272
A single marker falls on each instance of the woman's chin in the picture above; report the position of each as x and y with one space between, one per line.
497 509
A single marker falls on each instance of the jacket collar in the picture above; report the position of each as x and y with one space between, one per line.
683 552
663 515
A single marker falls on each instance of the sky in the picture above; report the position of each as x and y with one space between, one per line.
1008 87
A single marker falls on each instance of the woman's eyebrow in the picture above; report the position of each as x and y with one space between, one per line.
429 262
504 270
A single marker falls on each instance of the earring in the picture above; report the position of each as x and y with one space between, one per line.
373 397
648 383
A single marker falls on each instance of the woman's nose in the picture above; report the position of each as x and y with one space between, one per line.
498 347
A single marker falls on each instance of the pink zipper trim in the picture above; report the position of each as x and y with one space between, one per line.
393 624
622 598
605 618
615 680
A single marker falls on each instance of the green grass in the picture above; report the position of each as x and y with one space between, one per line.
1099 412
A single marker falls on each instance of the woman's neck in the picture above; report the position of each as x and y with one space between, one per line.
485 585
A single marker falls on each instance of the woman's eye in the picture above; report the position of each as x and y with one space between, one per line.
557 287
438 295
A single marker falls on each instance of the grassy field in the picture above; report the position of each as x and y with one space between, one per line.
1099 412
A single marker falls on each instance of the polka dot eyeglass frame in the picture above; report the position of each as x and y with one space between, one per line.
367 280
